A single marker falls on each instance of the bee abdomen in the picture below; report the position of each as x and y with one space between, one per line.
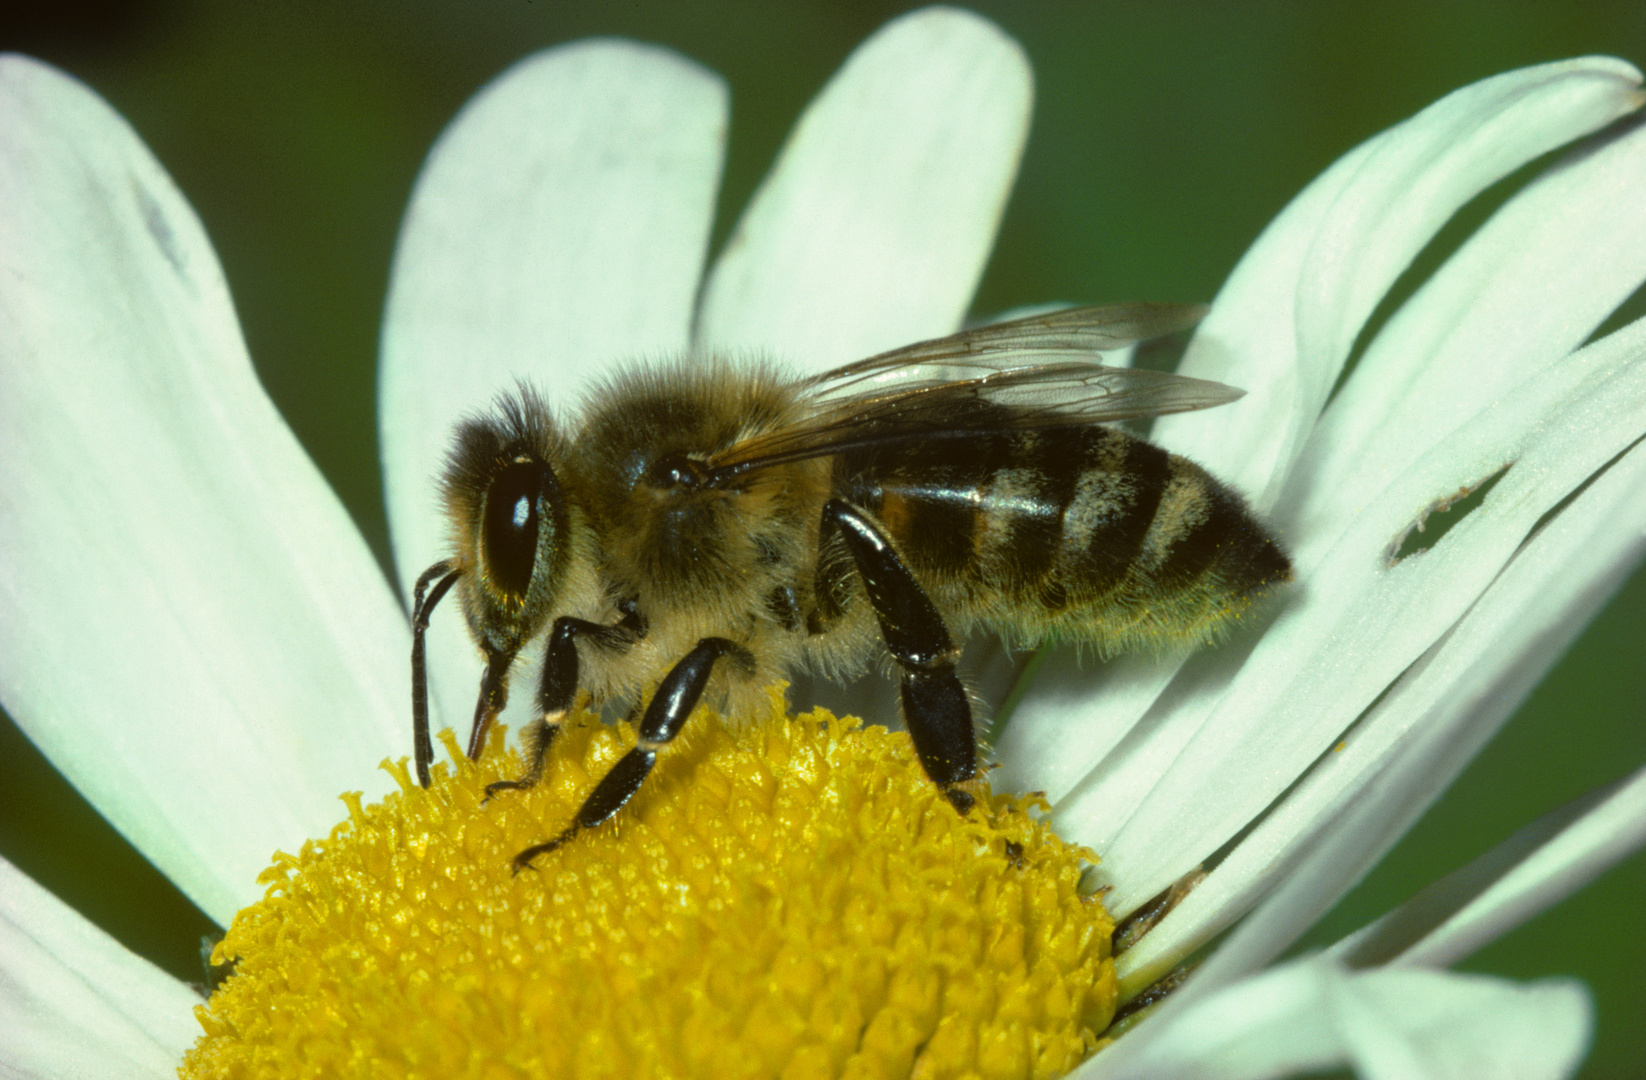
1087 531
1109 517
1153 548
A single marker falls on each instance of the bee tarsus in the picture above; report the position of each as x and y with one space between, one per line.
524 860
679 693
539 738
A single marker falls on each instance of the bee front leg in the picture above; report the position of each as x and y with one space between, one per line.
935 707
676 697
494 695
557 687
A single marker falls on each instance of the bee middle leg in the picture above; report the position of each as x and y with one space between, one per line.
677 695
935 707
557 686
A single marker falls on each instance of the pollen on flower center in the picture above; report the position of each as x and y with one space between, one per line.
792 900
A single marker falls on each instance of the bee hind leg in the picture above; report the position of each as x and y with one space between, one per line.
557 687
678 694
935 707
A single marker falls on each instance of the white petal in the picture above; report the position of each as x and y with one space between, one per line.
1283 324
1362 621
1383 201
1528 288
1359 799
1079 715
874 225
195 633
74 1003
1311 1015
1530 872
559 225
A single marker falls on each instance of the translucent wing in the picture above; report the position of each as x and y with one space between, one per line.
1029 373
1073 334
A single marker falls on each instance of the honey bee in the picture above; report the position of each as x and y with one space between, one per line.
704 528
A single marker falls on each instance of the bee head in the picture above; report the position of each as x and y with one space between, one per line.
509 520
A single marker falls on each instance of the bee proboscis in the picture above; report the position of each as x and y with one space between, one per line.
704 527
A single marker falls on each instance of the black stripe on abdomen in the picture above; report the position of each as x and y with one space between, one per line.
1212 531
1023 504
929 498
1108 518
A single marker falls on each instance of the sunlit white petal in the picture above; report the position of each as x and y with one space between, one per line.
1251 339
1526 289
1388 1024
1530 872
1322 662
195 633
1363 795
74 1003
1283 324
873 228
560 225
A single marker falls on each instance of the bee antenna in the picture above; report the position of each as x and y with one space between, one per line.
422 607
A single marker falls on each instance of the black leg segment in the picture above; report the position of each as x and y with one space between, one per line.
935 706
423 604
914 630
682 688
494 695
557 687
939 718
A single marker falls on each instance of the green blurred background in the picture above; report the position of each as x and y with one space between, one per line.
1165 136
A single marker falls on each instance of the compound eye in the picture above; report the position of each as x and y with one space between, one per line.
675 471
512 520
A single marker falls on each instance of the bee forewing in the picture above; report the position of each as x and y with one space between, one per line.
1039 371
1016 398
1076 333
1094 394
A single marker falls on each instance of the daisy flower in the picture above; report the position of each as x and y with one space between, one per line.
200 640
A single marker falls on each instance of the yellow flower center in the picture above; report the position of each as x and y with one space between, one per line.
795 900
